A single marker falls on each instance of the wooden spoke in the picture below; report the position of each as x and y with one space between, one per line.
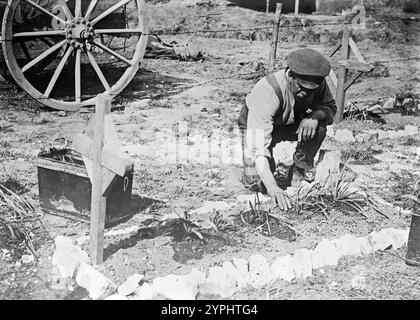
98 71
43 56
25 50
91 8
33 4
36 34
113 31
78 78
113 53
66 10
78 9
109 11
58 72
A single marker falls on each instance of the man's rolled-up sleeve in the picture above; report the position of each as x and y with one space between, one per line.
324 105
261 110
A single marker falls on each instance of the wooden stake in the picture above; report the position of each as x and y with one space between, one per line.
267 6
342 76
274 42
98 201
297 7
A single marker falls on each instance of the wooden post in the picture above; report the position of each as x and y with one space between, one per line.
342 76
297 7
273 51
98 201
267 6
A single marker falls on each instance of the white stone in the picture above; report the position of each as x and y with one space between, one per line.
330 131
344 136
358 280
233 272
366 247
411 130
243 267
259 269
347 245
328 170
282 268
398 237
302 263
389 104
325 254
145 292
175 287
379 240
218 282
130 285
94 282
27 258
116 297
67 257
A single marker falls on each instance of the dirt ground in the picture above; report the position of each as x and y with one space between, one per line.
209 95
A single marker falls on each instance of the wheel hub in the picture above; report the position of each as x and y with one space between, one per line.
78 31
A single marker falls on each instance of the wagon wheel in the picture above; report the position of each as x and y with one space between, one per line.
65 45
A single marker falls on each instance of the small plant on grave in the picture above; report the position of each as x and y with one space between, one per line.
181 228
259 219
311 200
219 223
365 113
16 213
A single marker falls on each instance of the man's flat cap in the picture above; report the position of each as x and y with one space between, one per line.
308 62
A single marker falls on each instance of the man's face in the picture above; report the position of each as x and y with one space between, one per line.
301 88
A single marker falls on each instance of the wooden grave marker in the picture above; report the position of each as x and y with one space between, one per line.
341 83
104 161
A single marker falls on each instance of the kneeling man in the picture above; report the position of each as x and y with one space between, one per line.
293 104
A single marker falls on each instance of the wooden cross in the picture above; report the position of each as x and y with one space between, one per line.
104 161
341 83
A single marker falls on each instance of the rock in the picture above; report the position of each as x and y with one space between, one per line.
325 254
62 113
282 268
130 285
302 263
365 246
379 240
330 131
243 267
358 280
259 270
411 130
145 292
347 245
344 136
116 297
233 272
398 238
218 282
94 282
67 257
328 170
27 258
175 287
389 104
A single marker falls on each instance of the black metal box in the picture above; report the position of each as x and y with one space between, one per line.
65 188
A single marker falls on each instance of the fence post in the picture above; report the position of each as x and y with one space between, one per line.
267 6
98 201
342 76
273 51
297 7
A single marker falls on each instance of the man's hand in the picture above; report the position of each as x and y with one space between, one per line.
280 197
307 129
